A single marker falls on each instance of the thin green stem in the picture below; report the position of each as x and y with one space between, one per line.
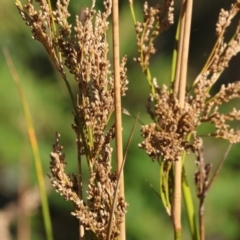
178 234
145 67
174 61
132 11
165 168
34 146
149 78
188 200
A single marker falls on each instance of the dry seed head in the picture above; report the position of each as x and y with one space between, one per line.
155 20
225 18
166 138
223 51
95 214
222 21
83 49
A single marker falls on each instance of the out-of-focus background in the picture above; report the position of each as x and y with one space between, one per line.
52 111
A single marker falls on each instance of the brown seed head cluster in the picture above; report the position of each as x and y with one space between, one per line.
155 20
174 128
94 215
83 50
225 17
167 136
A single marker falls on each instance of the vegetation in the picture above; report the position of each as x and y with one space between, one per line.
183 115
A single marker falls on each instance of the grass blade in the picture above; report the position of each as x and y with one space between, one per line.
34 146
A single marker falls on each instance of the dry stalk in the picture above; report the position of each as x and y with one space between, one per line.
179 90
118 107
203 183
201 180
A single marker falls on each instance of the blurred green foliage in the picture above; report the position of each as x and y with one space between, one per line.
51 109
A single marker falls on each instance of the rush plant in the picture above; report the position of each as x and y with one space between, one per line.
82 50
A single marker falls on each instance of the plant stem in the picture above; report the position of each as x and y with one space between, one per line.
205 190
187 196
109 231
179 89
219 167
34 146
201 219
79 177
118 111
